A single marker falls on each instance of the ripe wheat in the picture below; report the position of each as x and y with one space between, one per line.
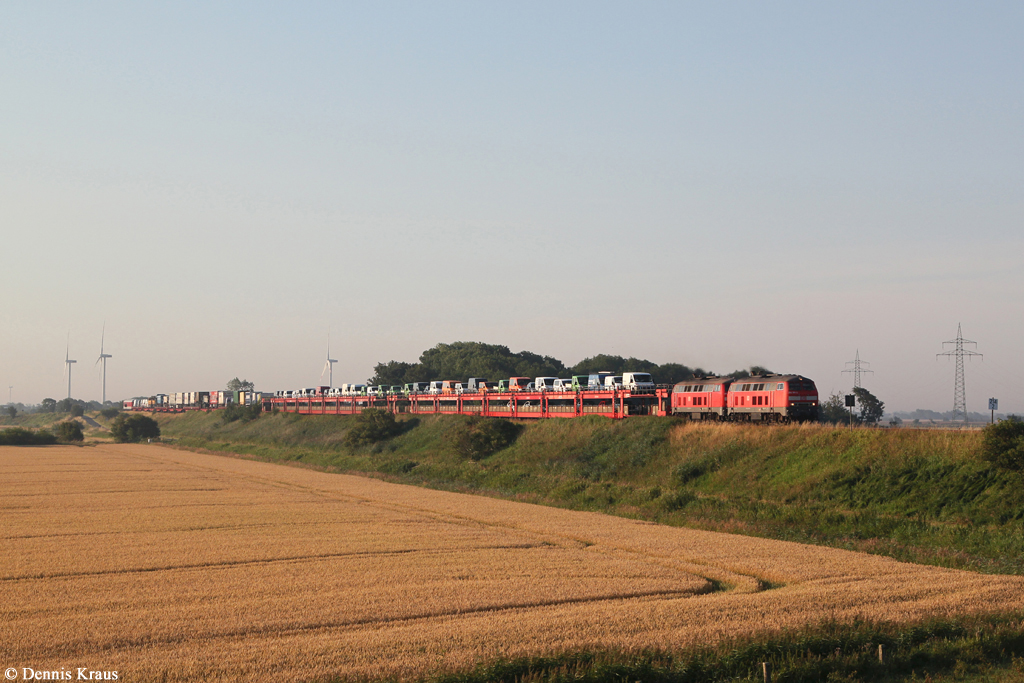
165 564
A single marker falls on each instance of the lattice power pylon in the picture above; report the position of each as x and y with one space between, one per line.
959 389
857 369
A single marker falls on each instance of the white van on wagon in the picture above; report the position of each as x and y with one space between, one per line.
544 383
637 381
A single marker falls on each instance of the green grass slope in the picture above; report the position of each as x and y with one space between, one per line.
917 495
970 650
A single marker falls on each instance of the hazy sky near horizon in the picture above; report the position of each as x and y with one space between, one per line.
716 184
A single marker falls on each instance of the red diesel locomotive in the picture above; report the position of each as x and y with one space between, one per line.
766 398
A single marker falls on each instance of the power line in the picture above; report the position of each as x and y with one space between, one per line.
959 389
857 369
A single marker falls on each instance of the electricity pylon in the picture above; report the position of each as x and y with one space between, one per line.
857 369
959 389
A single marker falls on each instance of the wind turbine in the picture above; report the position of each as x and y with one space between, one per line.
329 365
103 359
68 362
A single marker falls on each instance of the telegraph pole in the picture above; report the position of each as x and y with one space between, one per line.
858 367
959 389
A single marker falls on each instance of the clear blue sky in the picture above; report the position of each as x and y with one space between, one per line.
717 184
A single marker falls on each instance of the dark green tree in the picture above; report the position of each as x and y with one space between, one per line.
110 412
834 410
64 405
476 438
371 426
77 410
48 405
616 365
494 361
12 411
1003 443
871 409
134 428
69 430
397 372
672 373
236 384
461 360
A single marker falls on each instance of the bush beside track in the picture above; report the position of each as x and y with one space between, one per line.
919 496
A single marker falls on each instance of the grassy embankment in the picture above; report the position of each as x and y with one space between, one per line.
975 650
920 496
94 426
32 420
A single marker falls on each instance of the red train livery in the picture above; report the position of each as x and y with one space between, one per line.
767 398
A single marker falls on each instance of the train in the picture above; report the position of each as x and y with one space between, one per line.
766 398
772 398
194 400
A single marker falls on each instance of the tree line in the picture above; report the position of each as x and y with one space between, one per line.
460 360
869 409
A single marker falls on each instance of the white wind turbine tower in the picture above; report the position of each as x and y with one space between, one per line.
103 359
329 365
68 362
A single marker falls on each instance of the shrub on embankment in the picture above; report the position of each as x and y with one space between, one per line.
16 436
69 431
1004 444
917 495
132 428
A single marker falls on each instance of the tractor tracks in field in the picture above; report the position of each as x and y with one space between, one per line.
719 578
227 564
85 648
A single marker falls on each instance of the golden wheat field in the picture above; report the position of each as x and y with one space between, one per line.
169 565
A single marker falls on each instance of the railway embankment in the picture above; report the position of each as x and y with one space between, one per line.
915 495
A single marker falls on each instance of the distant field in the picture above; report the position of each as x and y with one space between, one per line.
170 565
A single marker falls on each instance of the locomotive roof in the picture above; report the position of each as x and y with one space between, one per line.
755 379
771 378
705 380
